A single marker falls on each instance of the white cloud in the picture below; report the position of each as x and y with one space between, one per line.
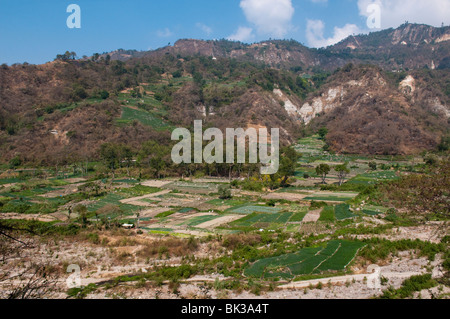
315 33
243 34
270 17
396 12
166 33
208 30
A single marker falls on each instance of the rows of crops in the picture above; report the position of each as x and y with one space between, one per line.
328 198
146 118
113 199
373 177
336 255
197 220
374 210
250 209
258 218
228 202
339 212
343 211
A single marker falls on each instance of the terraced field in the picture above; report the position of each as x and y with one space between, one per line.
146 118
343 212
374 177
335 256
250 209
255 219
332 197
113 199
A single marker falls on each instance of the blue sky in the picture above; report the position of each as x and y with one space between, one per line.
34 31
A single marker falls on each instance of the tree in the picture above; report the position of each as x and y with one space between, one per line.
126 153
323 132
110 153
431 160
445 143
104 94
342 172
90 188
323 170
15 162
81 210
373 166
224 192
155 155
288 164
66 56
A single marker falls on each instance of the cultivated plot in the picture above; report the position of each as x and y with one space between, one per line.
335 256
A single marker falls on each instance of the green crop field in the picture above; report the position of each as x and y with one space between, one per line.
113 199
374 177
329 198
146 118
10 180
327 214
193 187
194 221
256 219
254 209
343 212
226 202
298 217
336 255
374 210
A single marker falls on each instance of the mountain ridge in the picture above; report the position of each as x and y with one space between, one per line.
68 108
409 38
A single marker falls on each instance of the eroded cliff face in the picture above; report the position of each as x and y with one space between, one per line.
334 95
366 113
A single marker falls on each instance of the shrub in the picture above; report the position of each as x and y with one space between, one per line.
409 286
317 205
225 192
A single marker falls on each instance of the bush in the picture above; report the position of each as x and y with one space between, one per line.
225 192
317 205
271 203
409 286
252 186
15 162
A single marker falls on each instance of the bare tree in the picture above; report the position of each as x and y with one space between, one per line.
34 282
